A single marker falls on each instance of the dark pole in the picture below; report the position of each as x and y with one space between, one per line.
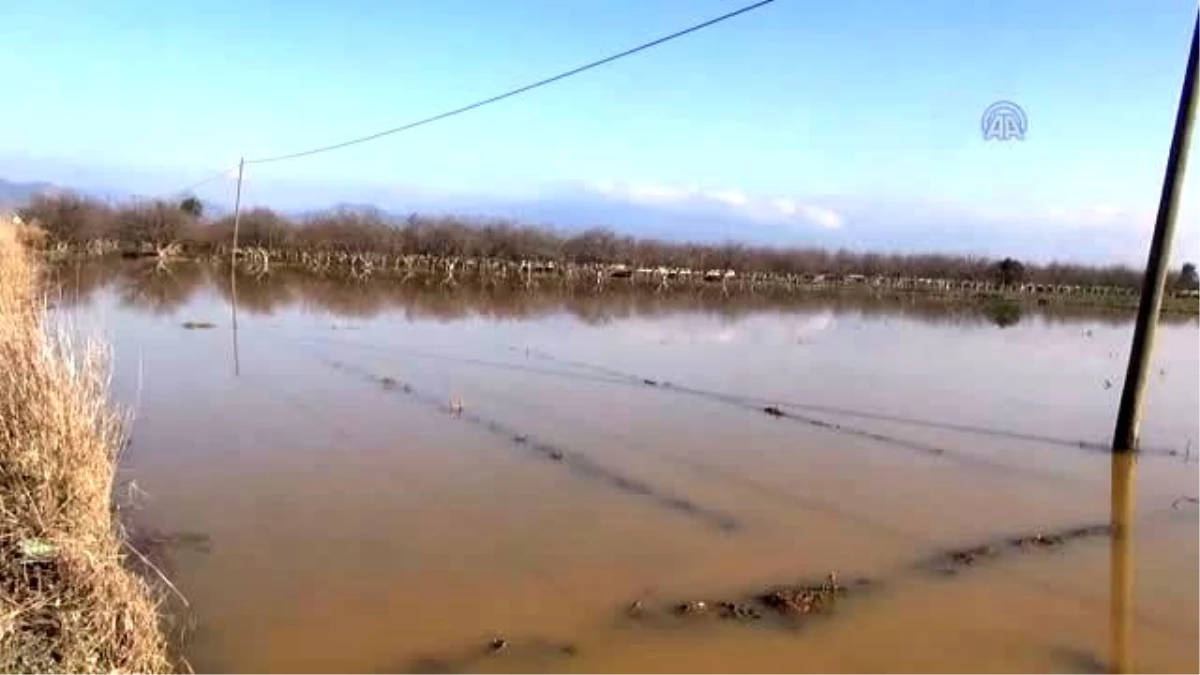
1125 438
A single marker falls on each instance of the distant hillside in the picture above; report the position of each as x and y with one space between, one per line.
14 194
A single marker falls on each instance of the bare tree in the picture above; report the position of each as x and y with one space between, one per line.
76 220
157 223
68 217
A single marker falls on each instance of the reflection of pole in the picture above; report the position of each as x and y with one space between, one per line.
237 220
1125 438
233 308
1121 591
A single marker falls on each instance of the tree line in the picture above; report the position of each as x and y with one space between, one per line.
76 221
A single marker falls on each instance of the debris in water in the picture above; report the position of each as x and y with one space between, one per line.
953 561
692 607
556 455
650 383
1108 384
795 601
198 325
804 599
773 411
498 644
1039 539
969 556
388 382
1184 500
1087 531
738 610
788 602
456 405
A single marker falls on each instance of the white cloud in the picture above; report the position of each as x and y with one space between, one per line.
761 209
653 192
822 216
1094 215
731 197
785 206
744 332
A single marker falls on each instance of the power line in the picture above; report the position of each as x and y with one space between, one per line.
221 174
514 92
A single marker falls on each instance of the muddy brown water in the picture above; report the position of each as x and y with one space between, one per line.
375 477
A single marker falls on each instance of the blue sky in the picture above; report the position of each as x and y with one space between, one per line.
833 108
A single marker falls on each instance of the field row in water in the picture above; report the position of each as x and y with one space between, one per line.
789 605
403 476
163 288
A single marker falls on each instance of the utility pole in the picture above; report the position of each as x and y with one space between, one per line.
237 220
237 210
1129 416
1125 437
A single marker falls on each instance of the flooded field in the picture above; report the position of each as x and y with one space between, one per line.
380 477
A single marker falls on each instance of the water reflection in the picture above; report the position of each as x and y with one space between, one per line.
1004 313
233 308
1121 593
160 289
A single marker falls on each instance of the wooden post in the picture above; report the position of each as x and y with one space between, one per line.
237 210
237 219
1125 438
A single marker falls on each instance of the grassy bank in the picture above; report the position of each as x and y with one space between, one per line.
67 601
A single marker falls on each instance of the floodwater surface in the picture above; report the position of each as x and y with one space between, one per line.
373 476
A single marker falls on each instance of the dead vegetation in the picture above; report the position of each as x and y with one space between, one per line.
788 606
366 242
67 601
795 604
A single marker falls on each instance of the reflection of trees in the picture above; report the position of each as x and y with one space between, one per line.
146 286
71 283
155 287
255 295
143 285
1003 313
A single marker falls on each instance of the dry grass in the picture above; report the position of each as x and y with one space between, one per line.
67 601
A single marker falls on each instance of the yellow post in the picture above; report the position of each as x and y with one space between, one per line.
1121 591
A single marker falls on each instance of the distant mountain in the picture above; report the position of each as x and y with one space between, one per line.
860 225
14 194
